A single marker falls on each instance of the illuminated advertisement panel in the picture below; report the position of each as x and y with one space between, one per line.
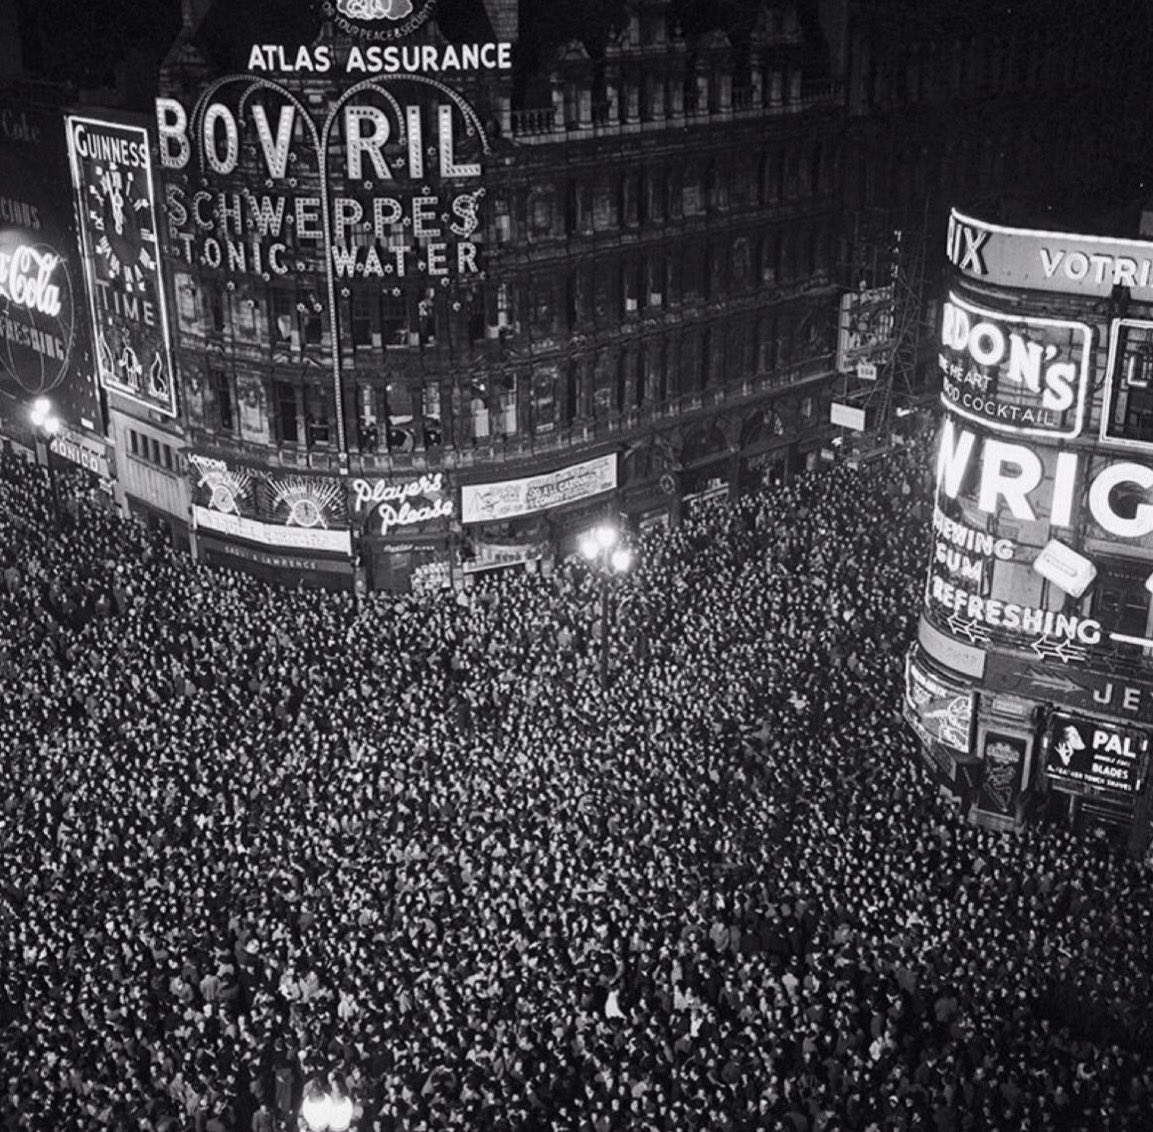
1087 755
271 507
1003 568
865 328
45 343
1004 758
391 508
112 174
1014 373
1127 408
1049 261
944 709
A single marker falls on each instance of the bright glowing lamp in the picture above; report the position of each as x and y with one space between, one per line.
52 425
622 559
340 1114
588 546
41 410
316 1112
606 536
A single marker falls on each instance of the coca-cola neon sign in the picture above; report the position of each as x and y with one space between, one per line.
37 324
26 279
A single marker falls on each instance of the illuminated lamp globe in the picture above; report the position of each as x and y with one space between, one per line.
316 1111
52 425
606 537
41 409
622 559
340 1113
588 546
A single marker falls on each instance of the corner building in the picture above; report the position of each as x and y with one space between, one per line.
445 291
1031 682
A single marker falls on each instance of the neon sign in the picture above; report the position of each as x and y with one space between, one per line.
1012 373
419 501
26 280
1012 474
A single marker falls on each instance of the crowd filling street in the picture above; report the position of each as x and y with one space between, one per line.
257 841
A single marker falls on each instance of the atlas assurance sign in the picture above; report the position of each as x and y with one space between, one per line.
1049 261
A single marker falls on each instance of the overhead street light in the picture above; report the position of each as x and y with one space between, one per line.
47 425
601 547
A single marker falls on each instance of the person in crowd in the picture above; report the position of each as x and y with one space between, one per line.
257 839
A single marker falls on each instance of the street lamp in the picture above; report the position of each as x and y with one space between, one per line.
601 547
47 425
321 1111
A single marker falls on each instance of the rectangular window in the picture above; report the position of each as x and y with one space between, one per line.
155 451
166 450
134 442
361 319
286 412
220 382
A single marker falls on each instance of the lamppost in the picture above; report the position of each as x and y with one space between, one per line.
601 547
47 425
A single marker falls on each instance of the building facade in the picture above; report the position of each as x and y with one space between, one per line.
401 265
1031 682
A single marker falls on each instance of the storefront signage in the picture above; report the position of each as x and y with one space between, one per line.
1090 755
498 556
112 174
408 506
301 538
1049 261
1014 373
492 502
44 331
944 709
79 449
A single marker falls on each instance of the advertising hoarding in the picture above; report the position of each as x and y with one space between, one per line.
1049 261
401 508
270 507
112 175
865 328
1088 755
1014 373
943 707
507 499
45 339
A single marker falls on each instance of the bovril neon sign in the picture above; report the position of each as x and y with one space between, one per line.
1011 474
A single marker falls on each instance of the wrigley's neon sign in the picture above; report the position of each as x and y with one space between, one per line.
1012 473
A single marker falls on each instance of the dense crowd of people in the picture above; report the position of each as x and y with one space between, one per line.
257 839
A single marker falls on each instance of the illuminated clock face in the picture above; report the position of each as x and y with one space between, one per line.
121 213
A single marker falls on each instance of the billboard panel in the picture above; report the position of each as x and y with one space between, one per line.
401 508
943 708
112 174
269 506
1004 758
1014 373
491 502
865 330
45 343
1049 261
1088 755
